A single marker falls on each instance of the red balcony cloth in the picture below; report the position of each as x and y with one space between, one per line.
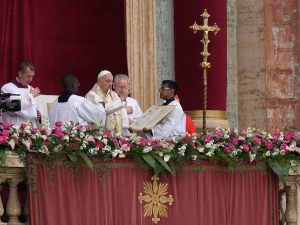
215 197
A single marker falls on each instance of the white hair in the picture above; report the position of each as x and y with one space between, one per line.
122 77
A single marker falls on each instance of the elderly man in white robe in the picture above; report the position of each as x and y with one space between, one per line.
31 109
173 125
131 109
102 92
71 107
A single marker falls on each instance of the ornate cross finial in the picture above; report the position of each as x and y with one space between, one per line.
205 28
205 65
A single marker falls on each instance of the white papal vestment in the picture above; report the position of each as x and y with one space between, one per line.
76 109
137 112
29 105
172 126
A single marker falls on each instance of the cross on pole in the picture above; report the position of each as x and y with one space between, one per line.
205 28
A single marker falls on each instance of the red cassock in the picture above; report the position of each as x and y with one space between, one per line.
190 126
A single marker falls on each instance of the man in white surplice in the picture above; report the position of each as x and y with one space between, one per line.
31 109
71 107
102 91
131 109
173 125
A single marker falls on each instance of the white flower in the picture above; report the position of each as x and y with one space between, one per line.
81 135
209 154
104 141
166 158
200 149
147 149
282 152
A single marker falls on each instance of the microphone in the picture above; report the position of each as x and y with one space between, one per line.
107 93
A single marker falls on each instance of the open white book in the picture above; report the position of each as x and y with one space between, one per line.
151 117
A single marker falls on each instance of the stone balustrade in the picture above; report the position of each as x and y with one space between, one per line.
13 173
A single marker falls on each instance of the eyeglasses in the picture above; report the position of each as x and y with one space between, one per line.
163 88
123 88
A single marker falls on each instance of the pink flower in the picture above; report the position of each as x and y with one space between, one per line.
217 132
227 149
171 143
23 125
72 145
23 132
206 139
2 140
88 127
126 146
256 140
44 130
186 138
268 145
243 132
6 125
99 144
58 124
58 131
285 147
235 141
245 148
276 133
288 136
5 133
107 133
45 143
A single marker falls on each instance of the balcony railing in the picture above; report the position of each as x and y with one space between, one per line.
13 173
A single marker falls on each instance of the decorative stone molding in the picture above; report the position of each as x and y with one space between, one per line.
142 51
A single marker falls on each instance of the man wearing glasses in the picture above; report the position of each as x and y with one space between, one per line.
173 125
131 111
71 107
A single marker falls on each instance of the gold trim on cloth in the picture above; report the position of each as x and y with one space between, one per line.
155 197
210 114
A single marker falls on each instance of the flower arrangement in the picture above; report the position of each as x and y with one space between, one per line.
83 142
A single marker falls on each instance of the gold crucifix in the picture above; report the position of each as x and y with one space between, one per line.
205 28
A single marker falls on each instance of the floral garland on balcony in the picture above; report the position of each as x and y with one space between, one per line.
89 143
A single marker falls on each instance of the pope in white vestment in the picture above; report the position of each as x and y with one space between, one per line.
102 92
76 109
29 106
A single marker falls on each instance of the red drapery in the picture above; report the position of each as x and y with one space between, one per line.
189 75
59 37
215 197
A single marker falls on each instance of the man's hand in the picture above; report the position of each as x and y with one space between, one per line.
38 114
130 129
129 109
130 121
125 93
35 91
146 130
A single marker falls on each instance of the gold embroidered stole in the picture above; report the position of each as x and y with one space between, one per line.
113 120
